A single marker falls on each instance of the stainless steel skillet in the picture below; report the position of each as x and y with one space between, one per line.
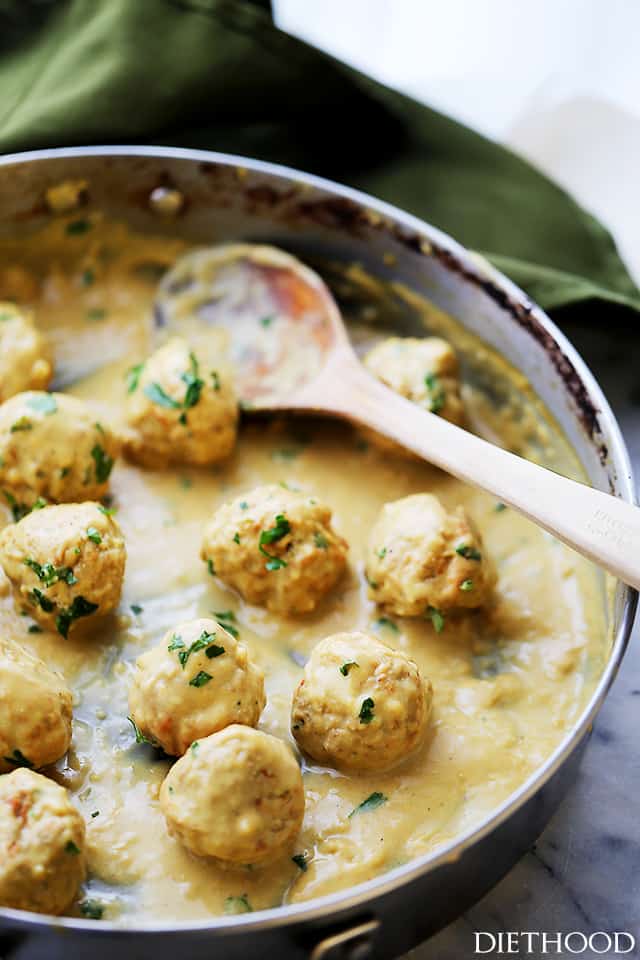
219 198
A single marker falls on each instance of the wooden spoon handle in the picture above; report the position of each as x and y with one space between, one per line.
598 525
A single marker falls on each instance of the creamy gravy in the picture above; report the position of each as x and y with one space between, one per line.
508 682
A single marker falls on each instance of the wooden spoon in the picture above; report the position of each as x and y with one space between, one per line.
291 351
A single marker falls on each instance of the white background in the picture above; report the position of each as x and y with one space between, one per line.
557 80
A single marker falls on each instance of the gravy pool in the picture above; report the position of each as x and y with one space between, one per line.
508 682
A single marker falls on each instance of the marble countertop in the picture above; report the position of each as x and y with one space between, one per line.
584 872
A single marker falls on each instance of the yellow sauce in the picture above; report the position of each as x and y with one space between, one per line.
508 682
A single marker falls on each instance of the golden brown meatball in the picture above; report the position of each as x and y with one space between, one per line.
35 710
276 547
424 371
236 796
199 680
422 557
24 357
65 562
360 705
178 410
52 448
42 860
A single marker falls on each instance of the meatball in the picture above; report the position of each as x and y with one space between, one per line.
199 680
52 447
276 547
24 358
236 795
424 371
41 842
65 562
35 710
421 557
178 411
360 705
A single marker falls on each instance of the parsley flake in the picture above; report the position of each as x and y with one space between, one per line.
238 904
280 529
94 535
132 377
18 759
373 801
366 714
200 679
103 463
469 553
81 607
437 619
346 667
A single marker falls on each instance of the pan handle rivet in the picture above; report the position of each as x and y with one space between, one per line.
356 943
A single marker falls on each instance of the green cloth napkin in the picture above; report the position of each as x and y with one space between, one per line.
218 74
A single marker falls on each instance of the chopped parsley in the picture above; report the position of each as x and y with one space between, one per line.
236 537
238 904
469 553
140 737
227 618
500 506
301 861
18 759
372 583
132 377
214 651
72 848
204 642
136 609
92 909
43 403
382 552
437 619
466 585
107 511
39 599
200 679
96 813
48 574
366 714
18 510
22 423
211 567
34 628
94 535
81 607
320 541
244 505
195 746
87 278
280 529
77 227
96 313
159 396
266 321
373 801
215 380
437 395
386 622
103 463
194 384
346 667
